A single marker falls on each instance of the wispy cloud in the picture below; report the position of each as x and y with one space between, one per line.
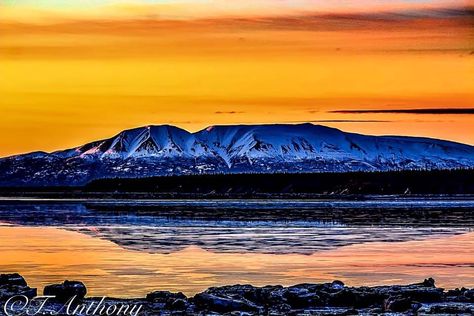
350 121
461 111
229 112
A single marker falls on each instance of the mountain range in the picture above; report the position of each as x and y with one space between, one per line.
169 150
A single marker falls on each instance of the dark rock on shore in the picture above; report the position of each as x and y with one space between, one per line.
14 284
12 279
67 290
224 303
397 304
333 298
167 300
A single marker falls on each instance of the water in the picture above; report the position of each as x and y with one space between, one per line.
129 248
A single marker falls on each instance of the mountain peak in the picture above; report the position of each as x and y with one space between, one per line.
165 149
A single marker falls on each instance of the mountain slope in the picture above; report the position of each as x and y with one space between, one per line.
164 150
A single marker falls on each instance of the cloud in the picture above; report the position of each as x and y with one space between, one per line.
229 112
350 121
339 121
461 111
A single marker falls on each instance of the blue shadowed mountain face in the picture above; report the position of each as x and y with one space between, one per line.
168 150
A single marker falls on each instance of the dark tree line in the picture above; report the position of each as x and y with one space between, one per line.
460 181
403 182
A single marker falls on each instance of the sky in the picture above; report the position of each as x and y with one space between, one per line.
76 71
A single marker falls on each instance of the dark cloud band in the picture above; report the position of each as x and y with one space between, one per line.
410 111
350 121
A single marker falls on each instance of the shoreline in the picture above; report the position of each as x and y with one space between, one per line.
334 298
305 201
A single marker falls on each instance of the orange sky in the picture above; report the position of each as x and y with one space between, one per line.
70 76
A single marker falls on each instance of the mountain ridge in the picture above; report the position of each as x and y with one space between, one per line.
155 150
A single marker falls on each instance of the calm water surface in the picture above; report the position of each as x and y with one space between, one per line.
129 248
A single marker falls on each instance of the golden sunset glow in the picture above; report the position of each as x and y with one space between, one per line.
70 74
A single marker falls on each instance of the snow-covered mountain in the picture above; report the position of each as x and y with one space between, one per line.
164 150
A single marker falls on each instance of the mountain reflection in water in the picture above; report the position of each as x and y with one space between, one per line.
253 226
130 248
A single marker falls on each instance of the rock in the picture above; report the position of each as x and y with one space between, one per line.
7 291
345 298
248 292
460 295
448 309
280 309
425 295
298 297
351 312
164 296
368 298
241 314
14 284
179 304
160 300
332 287
468 295
270 295
337 285
416 306
12 279
453 293
375 311
397 304
63 292
214 303
430 282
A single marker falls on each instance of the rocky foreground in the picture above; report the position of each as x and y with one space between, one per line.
69 298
